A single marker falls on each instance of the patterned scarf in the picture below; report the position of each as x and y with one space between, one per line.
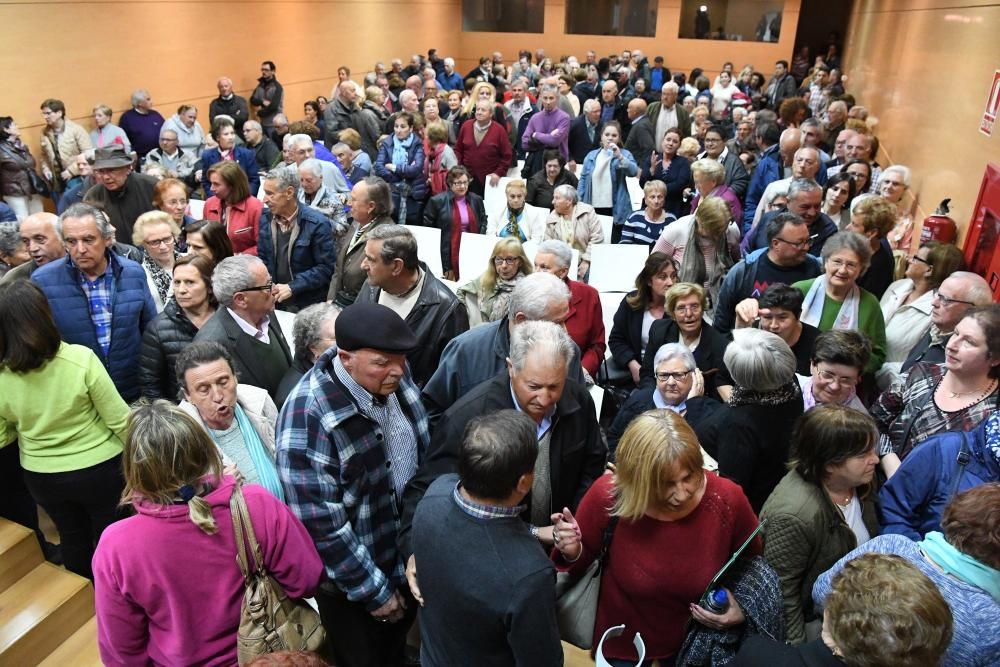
501 296
993 435
783 394
161 279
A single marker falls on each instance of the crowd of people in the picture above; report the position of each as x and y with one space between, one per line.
795 370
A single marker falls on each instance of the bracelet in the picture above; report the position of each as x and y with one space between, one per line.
534 530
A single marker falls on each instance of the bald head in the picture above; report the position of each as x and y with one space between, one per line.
41 238
961 286
790 141
636 108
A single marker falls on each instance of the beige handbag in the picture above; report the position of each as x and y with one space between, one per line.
269 620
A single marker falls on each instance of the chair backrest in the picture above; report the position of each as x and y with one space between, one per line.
531 248
474 255
607 224
613 268
610 301
196 208
635 192
495 197
428 247
515 171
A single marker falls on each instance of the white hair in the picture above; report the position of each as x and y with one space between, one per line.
313 166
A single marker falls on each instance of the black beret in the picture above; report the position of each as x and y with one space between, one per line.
374 326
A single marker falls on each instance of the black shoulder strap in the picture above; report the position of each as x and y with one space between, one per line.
609 532
961 461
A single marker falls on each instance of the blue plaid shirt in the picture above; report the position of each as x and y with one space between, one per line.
484 512
337 480
99 301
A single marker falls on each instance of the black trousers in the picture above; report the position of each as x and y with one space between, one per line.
82 503
356 639
16 503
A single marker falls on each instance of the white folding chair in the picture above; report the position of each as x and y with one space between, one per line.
607 224
515 171
635 192
597 393
495 197
196 208
474 255
428 247
613 267
610 301
534 219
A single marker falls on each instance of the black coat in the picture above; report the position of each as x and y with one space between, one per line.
576 451
707 356
699 409
579 140
641 142
250 367
625 339
164 339
437 213
676 178
759 650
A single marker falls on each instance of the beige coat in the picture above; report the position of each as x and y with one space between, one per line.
260 409
73 141
586 229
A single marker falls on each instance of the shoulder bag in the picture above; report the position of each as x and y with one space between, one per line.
576 598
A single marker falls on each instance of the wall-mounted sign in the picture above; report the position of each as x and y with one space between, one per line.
992 106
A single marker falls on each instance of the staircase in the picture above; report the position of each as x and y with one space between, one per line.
46 613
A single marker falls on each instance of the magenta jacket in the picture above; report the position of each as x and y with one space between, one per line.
168 594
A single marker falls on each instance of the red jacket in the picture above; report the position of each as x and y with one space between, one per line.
243 224
585 324
493 155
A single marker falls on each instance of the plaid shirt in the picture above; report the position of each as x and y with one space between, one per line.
336 477
484 512
99 301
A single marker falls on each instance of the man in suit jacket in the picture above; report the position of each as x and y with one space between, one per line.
667 113
371 204
244 325
640 142
584 133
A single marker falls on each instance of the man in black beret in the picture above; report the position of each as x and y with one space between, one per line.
349 439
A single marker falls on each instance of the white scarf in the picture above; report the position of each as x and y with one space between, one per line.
812 307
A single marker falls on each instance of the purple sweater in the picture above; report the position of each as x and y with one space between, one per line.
169 594
544 123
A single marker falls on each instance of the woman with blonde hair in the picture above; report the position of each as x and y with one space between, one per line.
709 176
183 534
671 525
156 233
487 296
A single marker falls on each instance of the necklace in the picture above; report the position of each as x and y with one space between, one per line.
985 392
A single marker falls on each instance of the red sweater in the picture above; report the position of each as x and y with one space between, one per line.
657 568
585 324
492 156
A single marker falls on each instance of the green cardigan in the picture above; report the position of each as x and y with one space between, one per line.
870 321
66 415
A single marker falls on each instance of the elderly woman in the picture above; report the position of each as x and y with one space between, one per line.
892 186
575 223
834 300
106 133
838 193
209 239
542 184
645 225
400 163
602 181
69 420
680 387
313 333
779 310
239 418
673 169
873 218
170 195
963 561
684 322
709 178
823 508
174 479
455 211
487 296
839 359
585 321
234 205
906 304
193 303
224 133
314 194
953 396
13 252
638 311
710 231
190 135
156 233
483 147
516 221
750 436
20 186
671 525
440 158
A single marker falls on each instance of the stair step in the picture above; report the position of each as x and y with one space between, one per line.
19 553
40 611
80 650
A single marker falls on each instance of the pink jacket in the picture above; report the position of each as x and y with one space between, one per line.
243 225
169 594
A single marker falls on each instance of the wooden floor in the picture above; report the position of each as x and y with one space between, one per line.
575 657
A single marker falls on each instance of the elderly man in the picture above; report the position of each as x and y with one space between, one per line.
640 142
41 239
313 333
483 147
371 206
479 354
141 123
549 128
571 452
295 243
520 109
267 154
786 260
584 133
611 106
121 193
345 157
350 438
836 119
666 113
314 194
303 148
229 104
342 112
278 131
859 147
449 79
467 536
243 323
805 163
400 281
812 136
178 162
409 101
239 417
805 199
268 96
99 299
590 88
839 152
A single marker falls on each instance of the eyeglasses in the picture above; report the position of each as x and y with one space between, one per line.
918 258
696 308
666 377
798 245
267 287
505 260
463 183
156 243
948 301
841 380
841 264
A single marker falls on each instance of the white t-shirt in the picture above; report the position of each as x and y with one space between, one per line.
852 514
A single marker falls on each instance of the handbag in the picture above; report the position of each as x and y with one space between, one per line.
269 620
576 598
39 185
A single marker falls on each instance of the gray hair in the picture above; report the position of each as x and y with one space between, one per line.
974 287
312 165
548 88
379 194
308 328
802 185
533 294
904 173
168 130
671 86
10 238
398 242
232 275
340 146
254 125
84 210
303 140
590 105
759 360
449 61
543 338
812 122
558 249
138 95
568 192
674 351
852 241
407 93
286 177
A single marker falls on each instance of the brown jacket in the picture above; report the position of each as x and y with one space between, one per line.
15 163
348 276
73 141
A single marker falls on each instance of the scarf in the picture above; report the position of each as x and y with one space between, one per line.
812 307
267 473
502 291
694 270
992 429
783 394
401 151
963 567
809 399
513 228
161 279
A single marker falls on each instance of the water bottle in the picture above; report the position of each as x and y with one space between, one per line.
716 601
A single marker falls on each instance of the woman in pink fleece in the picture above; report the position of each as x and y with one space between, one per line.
168 589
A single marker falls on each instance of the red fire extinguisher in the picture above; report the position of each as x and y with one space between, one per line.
939 227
